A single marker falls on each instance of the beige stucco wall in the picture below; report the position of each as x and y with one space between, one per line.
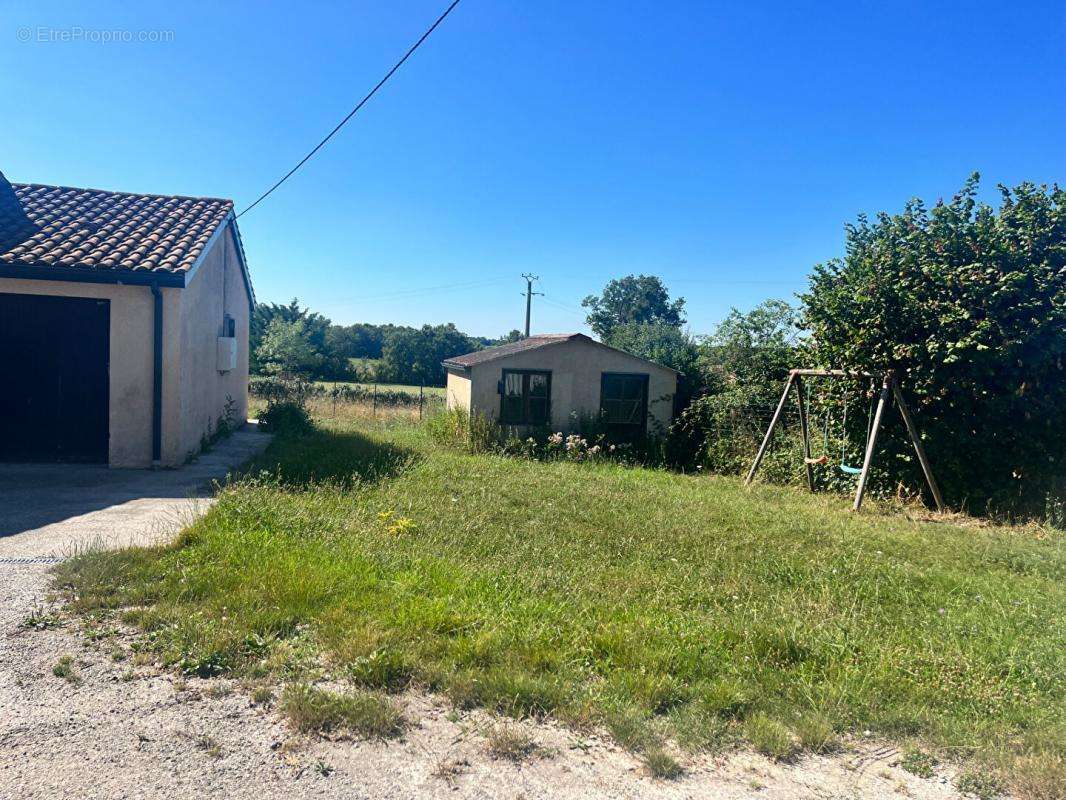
193 390
216 289
576 368
458 389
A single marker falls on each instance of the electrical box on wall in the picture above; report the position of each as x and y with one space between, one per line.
227 353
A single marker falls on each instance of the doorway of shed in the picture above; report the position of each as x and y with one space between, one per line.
54 355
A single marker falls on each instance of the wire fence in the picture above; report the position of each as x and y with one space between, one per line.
275 390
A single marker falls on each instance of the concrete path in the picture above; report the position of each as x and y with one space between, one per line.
48 511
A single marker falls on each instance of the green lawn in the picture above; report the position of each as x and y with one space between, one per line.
657 604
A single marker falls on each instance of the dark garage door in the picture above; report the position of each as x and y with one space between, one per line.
54 378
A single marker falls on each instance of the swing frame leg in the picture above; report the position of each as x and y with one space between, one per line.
916 440
871 445
804 432
770 431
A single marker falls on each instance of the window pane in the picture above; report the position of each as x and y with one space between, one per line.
512 384
538 385
622 399
631 411
538 410
512 409
611 410
612 387
631 387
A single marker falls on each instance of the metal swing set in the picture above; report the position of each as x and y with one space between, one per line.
889 390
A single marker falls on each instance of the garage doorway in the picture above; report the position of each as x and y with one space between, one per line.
54 355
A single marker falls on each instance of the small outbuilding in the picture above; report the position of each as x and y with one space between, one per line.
123 325
555 380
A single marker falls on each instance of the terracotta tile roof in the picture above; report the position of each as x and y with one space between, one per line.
92 229
502 350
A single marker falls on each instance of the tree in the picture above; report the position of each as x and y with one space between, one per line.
514 336
634 298
754 350
414 356
742 365
968 305
361 340
664 344
331 364
286 349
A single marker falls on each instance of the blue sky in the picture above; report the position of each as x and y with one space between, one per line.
720 146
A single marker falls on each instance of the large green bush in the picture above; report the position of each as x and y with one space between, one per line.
969 305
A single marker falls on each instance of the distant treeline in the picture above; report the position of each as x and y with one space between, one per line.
293 340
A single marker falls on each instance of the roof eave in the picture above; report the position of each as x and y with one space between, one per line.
127 277
229 222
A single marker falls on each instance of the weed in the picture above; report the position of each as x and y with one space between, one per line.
40 618
218 690
770 737
631 731
205 742
1039 776
982 785
816 734
450 769
323 769
118 654
660 764
699 729
64 668
313 710
262 695
511 743
918 762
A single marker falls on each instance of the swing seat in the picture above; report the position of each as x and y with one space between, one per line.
822 459
850 470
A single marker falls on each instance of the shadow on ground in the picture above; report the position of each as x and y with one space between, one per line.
48 506
326 457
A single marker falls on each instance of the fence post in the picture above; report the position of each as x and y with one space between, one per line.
374 407
421 396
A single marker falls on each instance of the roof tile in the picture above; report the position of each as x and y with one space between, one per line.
96 229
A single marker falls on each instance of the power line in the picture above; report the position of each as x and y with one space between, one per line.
553 302
352 113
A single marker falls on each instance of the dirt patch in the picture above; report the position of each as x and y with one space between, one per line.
124 729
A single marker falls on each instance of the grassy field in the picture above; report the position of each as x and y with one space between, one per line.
436 391
671 609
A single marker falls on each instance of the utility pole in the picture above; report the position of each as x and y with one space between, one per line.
529 295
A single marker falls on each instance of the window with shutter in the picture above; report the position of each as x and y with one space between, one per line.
624 399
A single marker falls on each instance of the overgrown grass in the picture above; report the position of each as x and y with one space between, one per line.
660 604
512 744
366 714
